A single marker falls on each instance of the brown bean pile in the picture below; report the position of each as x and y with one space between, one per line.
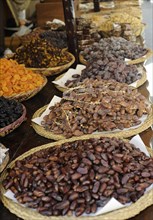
107 69
40 53
79 177
117 47
96 106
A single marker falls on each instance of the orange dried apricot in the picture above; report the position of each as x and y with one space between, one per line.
16 79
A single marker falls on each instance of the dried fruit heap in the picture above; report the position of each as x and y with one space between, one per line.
107 68
32 35
56 38
10 111
16 79
116 47
80 176
96 106
39 53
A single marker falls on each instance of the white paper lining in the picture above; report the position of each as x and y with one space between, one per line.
3 152
69 76
54 100
113 204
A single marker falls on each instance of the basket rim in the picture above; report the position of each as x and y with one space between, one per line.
56 67
136 61
138 82
9 128
27 95
123 133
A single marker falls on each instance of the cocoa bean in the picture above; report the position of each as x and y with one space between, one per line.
56 196
103 169
62 205
94 208
74 196
76 176
46 199
108 192
27 199
79 211
91 156
122 191
117 168
104 163
38 193
86 161
96 187
82 188
87 196
73 205
82 170
103 187
145 174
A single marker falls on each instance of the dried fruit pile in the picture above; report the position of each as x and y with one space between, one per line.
107 68
79 177
16 79
39 53
10 111
120 24
116 47
117 30
56 38
96 106
32 35
86 33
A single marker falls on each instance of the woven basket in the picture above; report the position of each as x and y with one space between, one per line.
51 70
139 82
54 70
136 61
27 213
123 133
27 95
5 160
11 127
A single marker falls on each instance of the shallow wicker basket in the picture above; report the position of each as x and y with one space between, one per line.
139 82
27 95
51 70
136 61
27 213
122 133
5 160
54 70
11 127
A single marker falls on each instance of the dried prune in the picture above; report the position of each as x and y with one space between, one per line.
10 111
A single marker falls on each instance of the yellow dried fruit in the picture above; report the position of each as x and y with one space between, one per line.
16 79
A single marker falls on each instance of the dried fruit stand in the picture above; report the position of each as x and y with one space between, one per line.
78 175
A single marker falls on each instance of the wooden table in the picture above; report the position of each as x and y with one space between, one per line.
24 138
